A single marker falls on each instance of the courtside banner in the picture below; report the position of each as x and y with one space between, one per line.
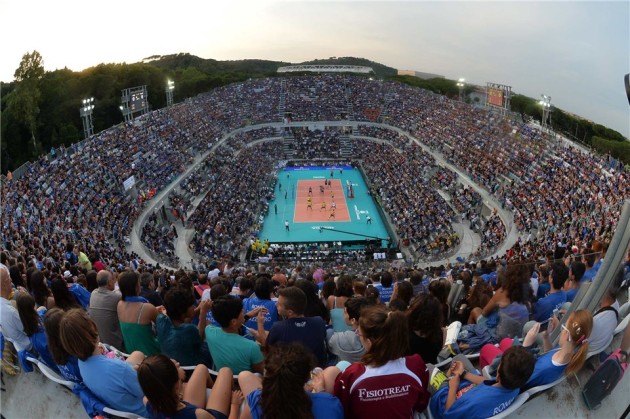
300 168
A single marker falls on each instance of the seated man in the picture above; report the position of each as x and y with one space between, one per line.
543 309
103 303
309 331
227 347
464 394
178 337
605 320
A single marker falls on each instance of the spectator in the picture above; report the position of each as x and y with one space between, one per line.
227 347
179 339
467 394
147 291
136 316
12 327
347 345
556 297
309 331
63 298
262 298
426 337
34 327
384 284
113 381
572 284
336 302
103 310
314 306
383 369
280 393
67 364
41 292
162 382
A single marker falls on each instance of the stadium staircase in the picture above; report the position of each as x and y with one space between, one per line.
282 101
389 98
345 146
349 107
288 144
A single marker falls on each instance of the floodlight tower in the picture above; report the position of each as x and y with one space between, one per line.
124 108
461 84
546 105
170 86
86 116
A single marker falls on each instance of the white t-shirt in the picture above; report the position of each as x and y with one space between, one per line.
604 324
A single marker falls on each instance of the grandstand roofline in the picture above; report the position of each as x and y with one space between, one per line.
326 68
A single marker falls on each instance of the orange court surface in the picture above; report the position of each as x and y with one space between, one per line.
303 214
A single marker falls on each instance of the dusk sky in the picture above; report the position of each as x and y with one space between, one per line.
575 52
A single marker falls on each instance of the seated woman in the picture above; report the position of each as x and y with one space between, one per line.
67 364
426 337
34 327
384 369
336 302
135 315
479 295
440 289
112 380
347 345
507 311
568 357
281 392
40 291
63 297
167 396
402 295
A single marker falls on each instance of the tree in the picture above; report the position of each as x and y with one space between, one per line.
25 101
31 67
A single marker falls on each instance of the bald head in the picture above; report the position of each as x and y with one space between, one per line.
103 279
5 281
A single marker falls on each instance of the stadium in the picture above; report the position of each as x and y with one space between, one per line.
324 176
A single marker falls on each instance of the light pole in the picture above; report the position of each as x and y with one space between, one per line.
86 116
461 84
546 105
170 86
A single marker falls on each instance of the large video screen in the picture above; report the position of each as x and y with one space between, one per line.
495 96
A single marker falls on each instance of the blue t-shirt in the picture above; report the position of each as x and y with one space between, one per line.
589 275
272 312
71 371
309 331
545 371
385 293
571 294
482 401
114 382
543 309
325 406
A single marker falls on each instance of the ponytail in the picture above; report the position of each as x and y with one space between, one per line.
387 332
579 325
578 359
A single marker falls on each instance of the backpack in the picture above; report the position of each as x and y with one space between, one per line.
604 380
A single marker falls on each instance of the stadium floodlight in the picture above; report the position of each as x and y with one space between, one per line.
546 105
460 85
86 116
124 108
170 86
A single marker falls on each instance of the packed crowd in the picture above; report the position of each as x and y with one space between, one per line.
419 213
228 214
305 340
316 144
